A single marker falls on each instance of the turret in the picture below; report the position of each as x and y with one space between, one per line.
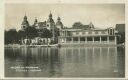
59 24
50 15
91 26
25 23
50 22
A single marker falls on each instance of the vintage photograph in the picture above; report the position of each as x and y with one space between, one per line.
64 40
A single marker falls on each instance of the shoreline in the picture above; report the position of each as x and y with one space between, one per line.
65 45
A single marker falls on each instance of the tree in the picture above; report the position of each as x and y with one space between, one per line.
77 25
46 33
31 32
21 35
11 36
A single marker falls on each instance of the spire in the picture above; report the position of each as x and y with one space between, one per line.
50 15
91 25
50 20
58 18
59 24
25 22
25 17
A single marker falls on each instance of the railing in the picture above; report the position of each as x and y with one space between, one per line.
90 42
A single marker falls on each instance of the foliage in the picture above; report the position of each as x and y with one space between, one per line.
79 25
121 37
11 37
46 33
21 34
31 32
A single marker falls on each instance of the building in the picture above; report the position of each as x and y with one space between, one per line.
91 36
51 26
66 35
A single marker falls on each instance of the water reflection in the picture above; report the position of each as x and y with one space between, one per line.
66 62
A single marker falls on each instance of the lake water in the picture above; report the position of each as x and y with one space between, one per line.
65 62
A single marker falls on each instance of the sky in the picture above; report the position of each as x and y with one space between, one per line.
101 15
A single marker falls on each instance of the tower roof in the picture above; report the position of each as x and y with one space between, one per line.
36 20
25 22
91 25
25 17
58 19
59 22
50 15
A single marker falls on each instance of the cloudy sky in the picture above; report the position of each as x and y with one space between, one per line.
101 15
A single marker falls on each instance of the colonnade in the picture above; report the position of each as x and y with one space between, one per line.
65 39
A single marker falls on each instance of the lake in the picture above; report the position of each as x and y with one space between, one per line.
65 62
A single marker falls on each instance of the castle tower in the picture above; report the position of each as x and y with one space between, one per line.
59 24
25 23
50 25
50 22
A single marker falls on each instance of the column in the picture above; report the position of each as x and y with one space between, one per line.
85 39
93 39
78 39
115 40
72 40
58 40
65 39
100 39
66 33
108 39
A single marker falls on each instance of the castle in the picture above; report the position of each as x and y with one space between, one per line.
49 24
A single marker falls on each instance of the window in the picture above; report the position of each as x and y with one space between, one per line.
83 33
77 33
103 32
93 32
86 32
90 32
110 31
96 32
80 33
74 33
23 26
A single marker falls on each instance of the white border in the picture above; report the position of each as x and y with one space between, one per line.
2 2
